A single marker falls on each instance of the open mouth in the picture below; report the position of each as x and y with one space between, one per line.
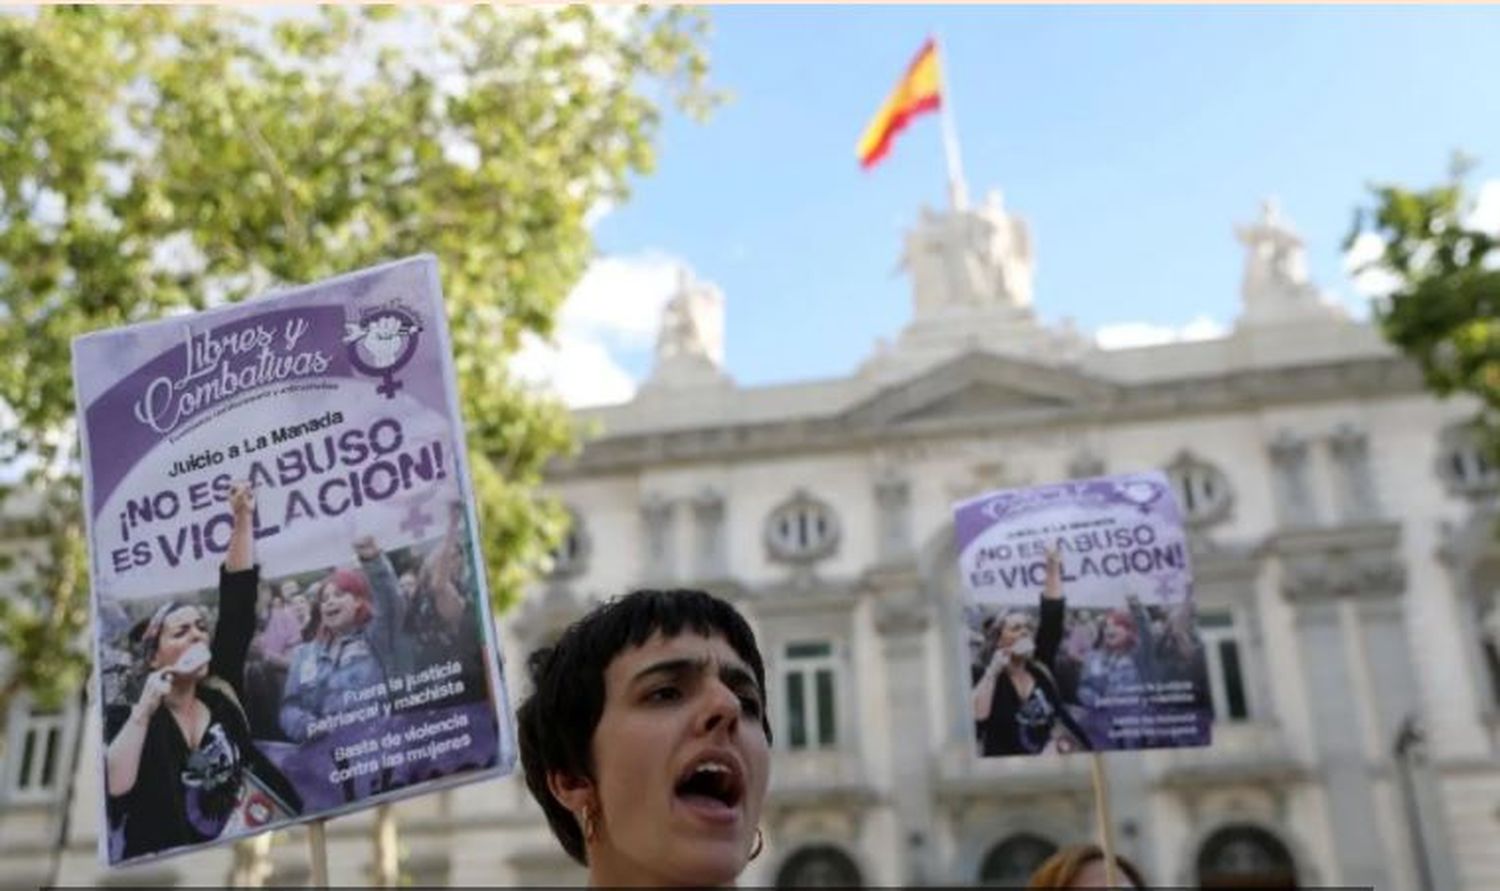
711 782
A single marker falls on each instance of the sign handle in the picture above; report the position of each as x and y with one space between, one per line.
1101 815
317 843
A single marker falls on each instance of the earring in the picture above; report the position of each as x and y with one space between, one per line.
590 825
760 843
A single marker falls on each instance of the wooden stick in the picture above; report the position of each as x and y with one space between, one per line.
387 860
318 844
1101 814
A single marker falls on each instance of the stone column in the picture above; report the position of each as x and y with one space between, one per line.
902 620
1393 676
708 520
893 499
1357 499
1357 841
1294 503
659 535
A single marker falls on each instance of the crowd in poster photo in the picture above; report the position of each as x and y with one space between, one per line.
1054 679
219 705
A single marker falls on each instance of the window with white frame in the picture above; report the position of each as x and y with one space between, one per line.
570 557
1202 490
1011 862
802 529
810 683
1223 652
1464 464
36 756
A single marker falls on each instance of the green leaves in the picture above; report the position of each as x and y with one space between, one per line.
1445 309
155 160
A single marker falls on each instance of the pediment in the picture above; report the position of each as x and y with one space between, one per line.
978 386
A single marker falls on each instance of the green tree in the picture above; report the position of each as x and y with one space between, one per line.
1444 308
157 160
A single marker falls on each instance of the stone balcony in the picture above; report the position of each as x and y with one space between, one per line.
823 777
1255 752
960 777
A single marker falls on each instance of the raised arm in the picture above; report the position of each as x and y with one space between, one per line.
443 567
389 606
1145 643
1050 625
241 555
238 579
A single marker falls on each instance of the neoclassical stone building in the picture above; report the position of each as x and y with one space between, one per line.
1343 546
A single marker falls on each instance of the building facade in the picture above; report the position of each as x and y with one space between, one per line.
1346 565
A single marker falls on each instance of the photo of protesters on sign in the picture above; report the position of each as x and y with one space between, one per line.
290 613
1079 619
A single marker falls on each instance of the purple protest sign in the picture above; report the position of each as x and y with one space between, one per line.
1097 651
290 612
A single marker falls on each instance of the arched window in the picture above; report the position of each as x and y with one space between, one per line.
1245 857
1202 490
570 557
1012 861
820 866
1464 465
801 530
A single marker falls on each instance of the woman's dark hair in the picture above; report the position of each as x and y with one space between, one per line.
556 723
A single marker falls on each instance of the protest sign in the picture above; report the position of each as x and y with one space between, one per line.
1103 655
290 612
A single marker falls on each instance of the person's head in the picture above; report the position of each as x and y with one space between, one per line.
646 741
408 583
1082 866
1119 630
1180 627
289 589
173 629
344 603
301 609
1014 627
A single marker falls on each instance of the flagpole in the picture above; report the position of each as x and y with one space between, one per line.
958 191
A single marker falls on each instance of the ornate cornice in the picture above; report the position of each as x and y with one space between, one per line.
893 416
1357 561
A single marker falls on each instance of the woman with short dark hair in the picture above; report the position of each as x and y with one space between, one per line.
646 741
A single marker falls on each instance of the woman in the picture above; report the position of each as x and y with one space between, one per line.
646 741
1017 701
180 761
1117 670
347 665
439 624
1083 866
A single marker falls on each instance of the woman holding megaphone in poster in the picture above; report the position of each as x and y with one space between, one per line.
1017 699
180 766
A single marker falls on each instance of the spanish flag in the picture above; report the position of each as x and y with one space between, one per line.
920 90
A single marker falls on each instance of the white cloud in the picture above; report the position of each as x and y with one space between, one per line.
1369 283
619 299
579 370
615 308
1374 284
1138 334
1486 213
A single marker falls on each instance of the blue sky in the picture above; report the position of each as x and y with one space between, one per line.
1131 140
